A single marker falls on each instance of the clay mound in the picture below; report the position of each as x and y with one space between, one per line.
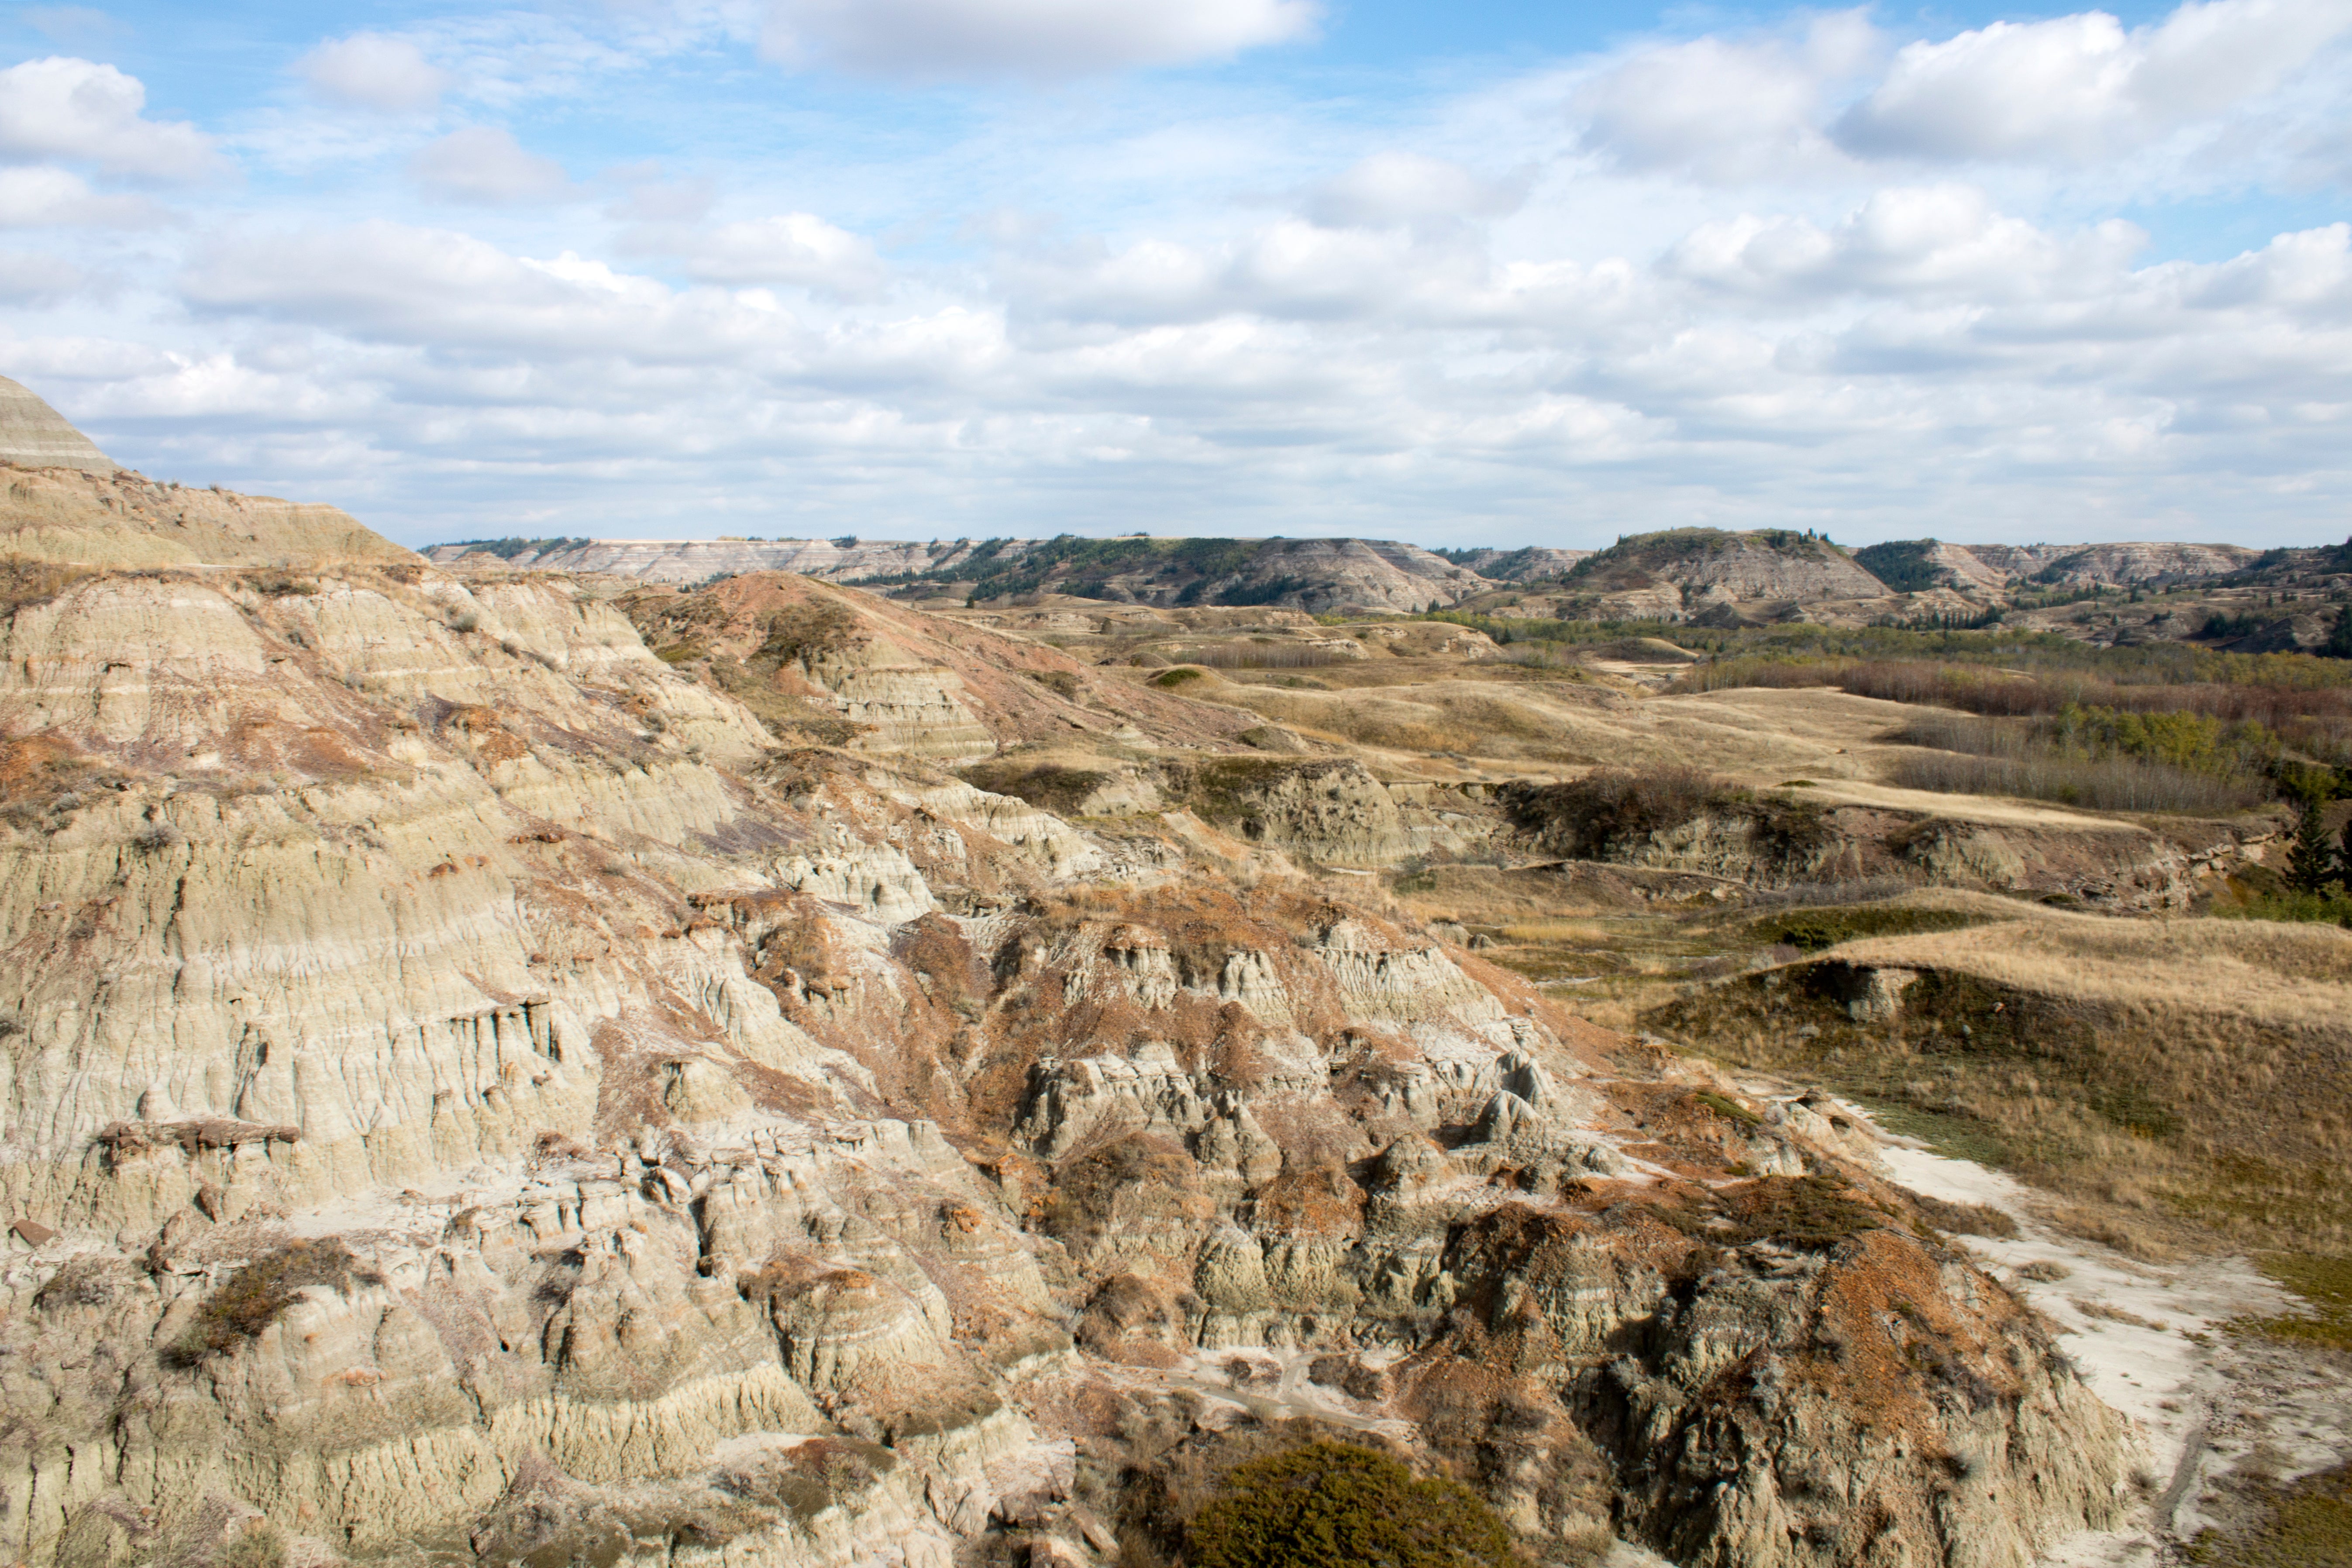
121 519
36 435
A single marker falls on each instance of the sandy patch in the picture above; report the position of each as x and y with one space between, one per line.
2151 1342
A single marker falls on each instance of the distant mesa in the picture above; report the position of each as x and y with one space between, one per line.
36 435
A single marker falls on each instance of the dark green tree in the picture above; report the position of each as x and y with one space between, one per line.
2312 862
2339 639
1333 1505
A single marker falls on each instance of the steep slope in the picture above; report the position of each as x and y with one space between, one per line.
2110 565
1685 573
34 436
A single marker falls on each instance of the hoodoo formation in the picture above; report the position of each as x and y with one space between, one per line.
540 1067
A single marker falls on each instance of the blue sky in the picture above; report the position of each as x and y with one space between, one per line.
1473 274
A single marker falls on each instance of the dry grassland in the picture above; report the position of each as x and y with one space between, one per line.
2172 1071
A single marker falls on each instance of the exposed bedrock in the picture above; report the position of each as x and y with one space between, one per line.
469 1091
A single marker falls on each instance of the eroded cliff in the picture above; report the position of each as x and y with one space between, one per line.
473 1092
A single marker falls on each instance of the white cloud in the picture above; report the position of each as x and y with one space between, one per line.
1939 242
84 112
484 165
375 70
40 197
37 279
798 249
1724 109
1397 187
448 292
2080 86
937 40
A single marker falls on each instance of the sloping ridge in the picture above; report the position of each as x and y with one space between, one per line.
34 436
68 504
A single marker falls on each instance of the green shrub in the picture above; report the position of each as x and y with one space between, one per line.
1333 1505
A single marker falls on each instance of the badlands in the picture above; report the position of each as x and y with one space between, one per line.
510 1065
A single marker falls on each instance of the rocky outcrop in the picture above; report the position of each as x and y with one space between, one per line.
1317 576
34 436
2109 565
1703 568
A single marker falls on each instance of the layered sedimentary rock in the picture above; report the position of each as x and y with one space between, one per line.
475 1089
34 436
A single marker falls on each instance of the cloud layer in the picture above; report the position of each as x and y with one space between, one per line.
1813 274
935 39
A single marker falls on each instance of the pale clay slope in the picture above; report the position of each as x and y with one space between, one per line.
34 436
393 918
2199 1399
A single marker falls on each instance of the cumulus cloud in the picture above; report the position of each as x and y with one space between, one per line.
1725 109
1396 187
484 165
444 291
936 40
798 249
375 70
41 197
2079 87
85 112
1940 241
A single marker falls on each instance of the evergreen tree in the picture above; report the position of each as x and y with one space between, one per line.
2311 864
2339 639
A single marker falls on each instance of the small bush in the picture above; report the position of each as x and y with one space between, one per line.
257 1295
801 633
464 621
1333 1505
154 837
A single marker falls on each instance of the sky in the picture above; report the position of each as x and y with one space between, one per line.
1478 273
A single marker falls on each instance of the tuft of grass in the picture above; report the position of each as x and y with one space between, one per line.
2325 1286
2306 1523
1965 1219
1730 1110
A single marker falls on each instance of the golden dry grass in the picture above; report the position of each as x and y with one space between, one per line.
2186 1069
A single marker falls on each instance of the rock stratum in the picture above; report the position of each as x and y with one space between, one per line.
475 1087
34 436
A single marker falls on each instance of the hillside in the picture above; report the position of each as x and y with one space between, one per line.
1344 575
